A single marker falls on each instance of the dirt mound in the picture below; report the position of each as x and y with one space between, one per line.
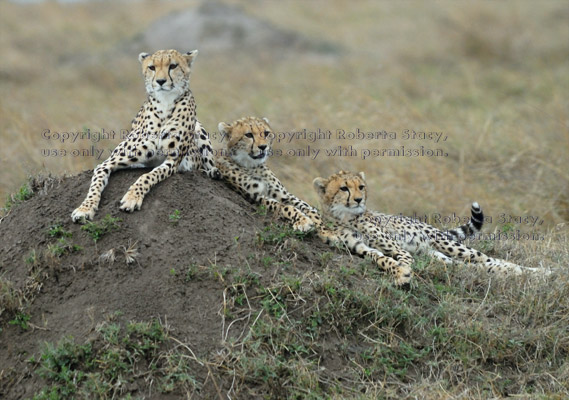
216 27
188 224
199 295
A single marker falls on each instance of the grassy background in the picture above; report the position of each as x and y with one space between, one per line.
492 77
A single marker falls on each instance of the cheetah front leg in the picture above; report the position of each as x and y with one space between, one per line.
344 236
126 154
304 207
87 209
278 199
175 147
206 152
133 198
277 191
295 217
255 190
382 241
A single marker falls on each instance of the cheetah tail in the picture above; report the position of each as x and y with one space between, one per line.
472 227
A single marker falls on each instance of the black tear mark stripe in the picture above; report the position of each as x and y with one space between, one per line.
170 76
252 144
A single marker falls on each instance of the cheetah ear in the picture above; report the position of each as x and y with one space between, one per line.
319 185
224 128
266 120
190 56
362 175
142 56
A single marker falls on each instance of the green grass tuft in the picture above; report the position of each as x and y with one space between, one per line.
98 229
24 193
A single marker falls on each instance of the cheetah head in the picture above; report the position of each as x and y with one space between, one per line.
167 73
343 194
248 140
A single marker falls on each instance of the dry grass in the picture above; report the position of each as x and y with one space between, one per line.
491 77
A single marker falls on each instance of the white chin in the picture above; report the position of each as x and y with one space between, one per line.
355 210
246 161
166 94
341 211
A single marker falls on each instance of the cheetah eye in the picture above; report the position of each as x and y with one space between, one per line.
249 135
362 187
267 133
151 67
172 66
344 188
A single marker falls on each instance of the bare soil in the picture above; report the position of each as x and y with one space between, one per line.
215 227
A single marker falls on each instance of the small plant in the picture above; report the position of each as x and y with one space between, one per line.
108 256
273 302
62 247
509 227
130 252
421 262
10 298
57 231
261 210
21 319
275 234
59 364
325 258
32 258
218 272
25 193
97 229
175 216
191 272
486 245
172 271
267 261
249 278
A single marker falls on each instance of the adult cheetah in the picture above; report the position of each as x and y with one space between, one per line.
165 134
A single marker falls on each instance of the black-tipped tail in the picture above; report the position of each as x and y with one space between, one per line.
476 217
472 227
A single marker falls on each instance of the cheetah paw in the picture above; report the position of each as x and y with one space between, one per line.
83 213
131 202
403 276
214 173
303 225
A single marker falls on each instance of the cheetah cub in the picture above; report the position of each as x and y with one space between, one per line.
165 134
343 198
242 165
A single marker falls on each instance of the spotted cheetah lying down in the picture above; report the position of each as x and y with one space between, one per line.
165 134
390 240
243 166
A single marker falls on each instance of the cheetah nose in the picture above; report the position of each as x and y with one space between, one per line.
262 147
160 81
358 200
